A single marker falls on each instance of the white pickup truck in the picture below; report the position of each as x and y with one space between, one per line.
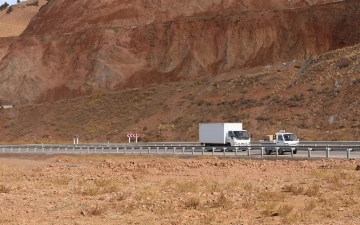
282 141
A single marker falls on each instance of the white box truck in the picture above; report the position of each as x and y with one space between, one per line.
282 140
223 134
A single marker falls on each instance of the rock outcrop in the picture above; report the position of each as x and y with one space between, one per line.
75 48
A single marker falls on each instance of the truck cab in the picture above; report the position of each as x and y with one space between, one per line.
238 138
286 139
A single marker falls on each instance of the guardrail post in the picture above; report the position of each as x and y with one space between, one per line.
124 150
157 150
165 150
50 149
203 150
327 152
309 152
193 150
348 152
65 150
88 150
262 151
277 151
27 149
292 152
174 150
249 148
117 149
183 150
11 149
3 149
140 150
213 150
236 150
132 150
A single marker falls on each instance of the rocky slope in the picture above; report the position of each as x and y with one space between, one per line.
75 48
270 75
317 99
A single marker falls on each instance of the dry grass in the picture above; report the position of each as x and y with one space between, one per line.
110 191
4 188
96 187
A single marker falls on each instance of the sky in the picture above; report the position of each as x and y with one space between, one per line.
10 2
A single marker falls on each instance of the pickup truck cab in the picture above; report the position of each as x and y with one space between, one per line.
282 141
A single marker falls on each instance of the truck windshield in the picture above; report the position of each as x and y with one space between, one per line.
242 135
290 137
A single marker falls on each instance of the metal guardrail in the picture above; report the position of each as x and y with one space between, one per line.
175 149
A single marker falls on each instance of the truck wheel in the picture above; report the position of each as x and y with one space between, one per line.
295 151
267 152
281 152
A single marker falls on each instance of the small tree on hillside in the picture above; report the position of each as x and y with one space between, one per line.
18 1
4 6
10 9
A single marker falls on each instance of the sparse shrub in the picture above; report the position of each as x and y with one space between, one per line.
192 203
248 203
97 211
4 6
9 10
294 188
285 210
190 186
313 190
61 180
4 189
215 187
97 187
342 63
223 202
271 196
270 209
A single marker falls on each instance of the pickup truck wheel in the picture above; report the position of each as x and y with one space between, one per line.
281 152
267 152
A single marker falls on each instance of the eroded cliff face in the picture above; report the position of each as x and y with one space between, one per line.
73 48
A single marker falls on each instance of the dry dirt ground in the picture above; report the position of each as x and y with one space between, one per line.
83 189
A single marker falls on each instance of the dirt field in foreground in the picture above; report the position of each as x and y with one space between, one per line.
63 189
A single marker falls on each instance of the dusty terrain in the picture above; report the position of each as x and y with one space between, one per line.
150 190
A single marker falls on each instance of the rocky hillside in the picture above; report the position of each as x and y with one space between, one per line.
75 48
271 66
317 99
